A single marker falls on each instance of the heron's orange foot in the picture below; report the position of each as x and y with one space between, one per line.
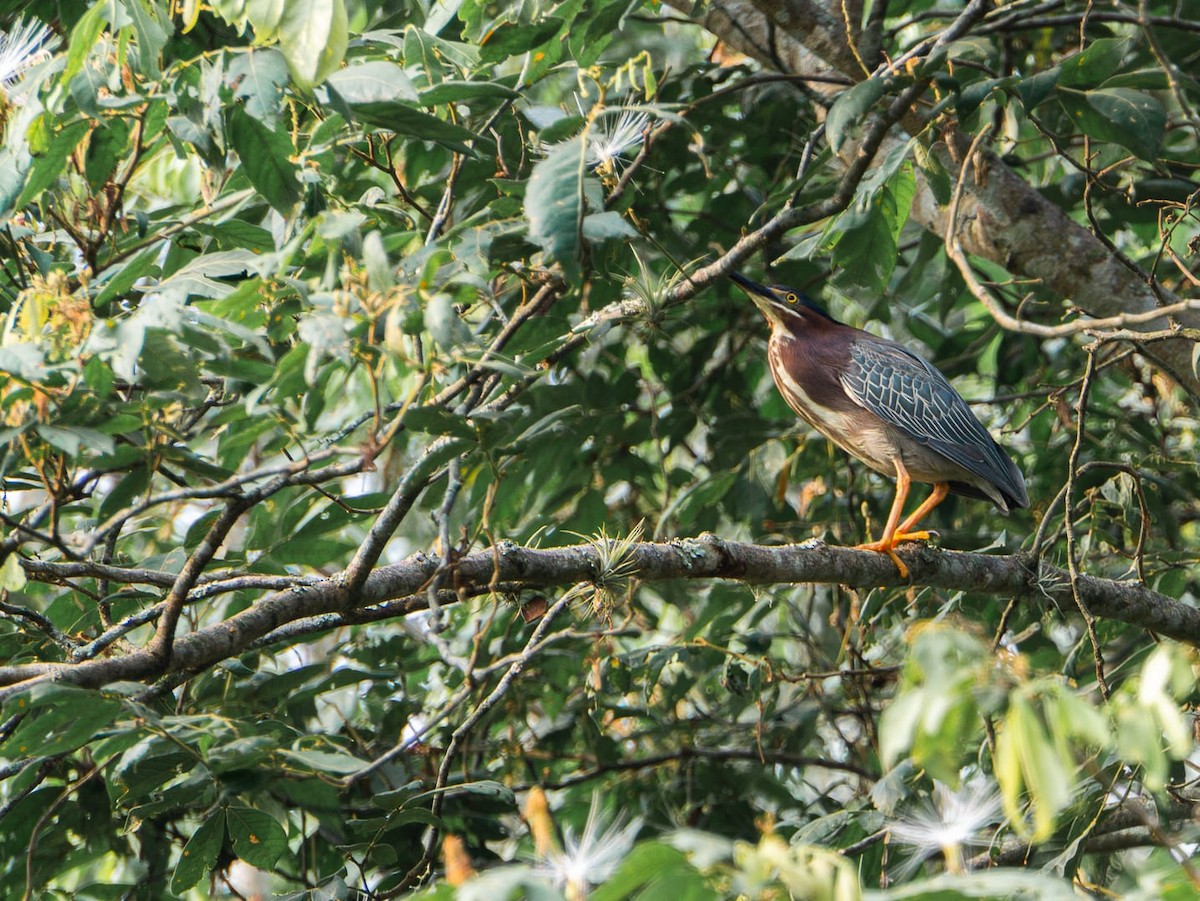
885 547
889 547
900 565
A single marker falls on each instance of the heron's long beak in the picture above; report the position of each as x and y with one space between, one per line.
751 288
762 296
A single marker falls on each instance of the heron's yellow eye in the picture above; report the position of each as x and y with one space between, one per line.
792 298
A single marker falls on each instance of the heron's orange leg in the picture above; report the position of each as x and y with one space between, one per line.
887 543
940 492
895 531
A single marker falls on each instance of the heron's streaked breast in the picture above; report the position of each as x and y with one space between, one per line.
850 430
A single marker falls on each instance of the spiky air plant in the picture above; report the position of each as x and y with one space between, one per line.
614 567
653 289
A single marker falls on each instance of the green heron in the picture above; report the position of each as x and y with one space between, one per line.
883 404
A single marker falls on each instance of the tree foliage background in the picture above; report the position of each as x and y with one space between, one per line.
396 498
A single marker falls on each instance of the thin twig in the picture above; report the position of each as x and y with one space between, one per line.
456 739
1072 551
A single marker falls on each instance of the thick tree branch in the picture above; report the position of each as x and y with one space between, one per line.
707 557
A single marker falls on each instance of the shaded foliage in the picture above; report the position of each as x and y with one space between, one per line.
294 290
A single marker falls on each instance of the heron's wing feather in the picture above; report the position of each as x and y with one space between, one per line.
911 395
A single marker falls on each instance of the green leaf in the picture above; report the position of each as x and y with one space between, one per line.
1130 118
105 149
257 837
851 107
12 576
414 123
71 439
1026 761
313 35
199 277
1037 87
654 870
265 156
199 855
372 82
257 77
489 788
49 166
84 38
554 202
511 38
61 718
866 254
438 421
605 226
238 233
324 761
26 361
457 91
703 495
1096 63
152 32
265 16
120 279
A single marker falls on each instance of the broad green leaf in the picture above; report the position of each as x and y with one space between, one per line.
1027 763
1094 64
265 16
72 439
121 278
51 165
324 761
458 91
153 29
257 837
372 82
554 202
443 323
27 361
655 870
511 38
60 718
850 108
866 255
238 233
409 122
12 576
1037 87
700 496
199 855
265 155
313 35
106 147
1130 118
257 78
84 37
604 226
435 421
199 277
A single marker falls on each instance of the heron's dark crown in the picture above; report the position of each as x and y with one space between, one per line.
789 304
